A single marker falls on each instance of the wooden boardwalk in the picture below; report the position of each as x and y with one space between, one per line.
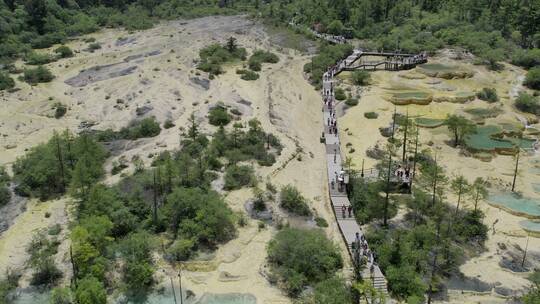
351 232
341 205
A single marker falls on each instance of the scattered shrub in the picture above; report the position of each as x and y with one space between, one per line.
488 94
214 55
64 51
59 110
292 200
371 115
168 124
351 102
94 46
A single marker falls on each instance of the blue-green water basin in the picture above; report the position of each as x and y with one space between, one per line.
531 226
519 205
484 140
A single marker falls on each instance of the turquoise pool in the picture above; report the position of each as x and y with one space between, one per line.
523 205
530 226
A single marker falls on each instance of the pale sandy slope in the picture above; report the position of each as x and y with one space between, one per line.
281 99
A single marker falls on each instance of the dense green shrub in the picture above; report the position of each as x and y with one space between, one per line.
37 75
249 75
532 80
61 295
351 102
144 128
292 200
527 58
330 291
528 103
64 51
218 115
287 253
94 46
259 57
339 93
471 226
6 82
90 291
237 177
199 215
138 271
361 78
488 94
35 58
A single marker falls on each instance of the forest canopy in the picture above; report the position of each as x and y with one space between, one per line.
495 31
